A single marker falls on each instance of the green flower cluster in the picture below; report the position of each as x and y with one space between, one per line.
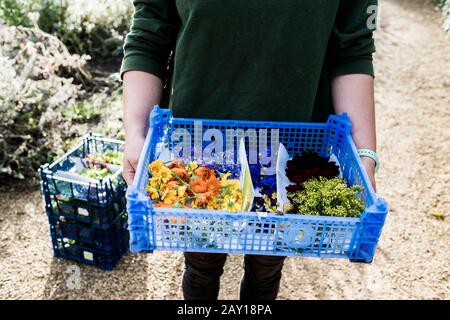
328 197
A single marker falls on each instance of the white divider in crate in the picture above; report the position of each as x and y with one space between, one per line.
282 179
248 192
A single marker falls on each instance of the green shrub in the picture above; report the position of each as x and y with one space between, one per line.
37 82
82 112
14 12
43 107
96 28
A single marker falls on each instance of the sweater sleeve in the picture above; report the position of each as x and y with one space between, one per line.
152 37
352 43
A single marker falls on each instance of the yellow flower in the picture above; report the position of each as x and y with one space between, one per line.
224 177
192 166
212 204
181 191
155 167
154 182
152 192
170 197
165 175
231 205
164 189
194 205
236 193
230 195
268 204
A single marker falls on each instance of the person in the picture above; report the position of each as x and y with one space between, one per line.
272 60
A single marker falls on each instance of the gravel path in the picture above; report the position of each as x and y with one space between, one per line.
413 259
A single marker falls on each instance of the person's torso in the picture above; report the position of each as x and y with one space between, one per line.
253 59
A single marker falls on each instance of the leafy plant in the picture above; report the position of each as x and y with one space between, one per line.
14 12
37 80
109 157
82 112
96 28
327 197
96 172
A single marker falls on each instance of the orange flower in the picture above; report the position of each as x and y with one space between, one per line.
204 173
204 198
170 197
171 184
198 186
208 185
176 164
177 167
206 181
181 172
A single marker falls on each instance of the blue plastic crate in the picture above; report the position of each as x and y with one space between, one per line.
87 235
84 244
101 193
85 213
199 230
67 249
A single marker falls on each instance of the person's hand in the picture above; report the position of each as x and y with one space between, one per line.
133 147
369 164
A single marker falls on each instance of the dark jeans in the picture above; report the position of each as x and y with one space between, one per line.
201 279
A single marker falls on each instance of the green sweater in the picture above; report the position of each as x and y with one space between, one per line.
250 59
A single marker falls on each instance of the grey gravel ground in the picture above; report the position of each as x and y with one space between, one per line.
412 262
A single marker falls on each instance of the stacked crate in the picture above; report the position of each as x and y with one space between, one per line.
87 217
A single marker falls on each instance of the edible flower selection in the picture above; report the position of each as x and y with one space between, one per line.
315 188
101 165
176 185
266 186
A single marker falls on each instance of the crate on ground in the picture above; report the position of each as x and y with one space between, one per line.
99 216
87 235
201 230
65 248
86 214
59 179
